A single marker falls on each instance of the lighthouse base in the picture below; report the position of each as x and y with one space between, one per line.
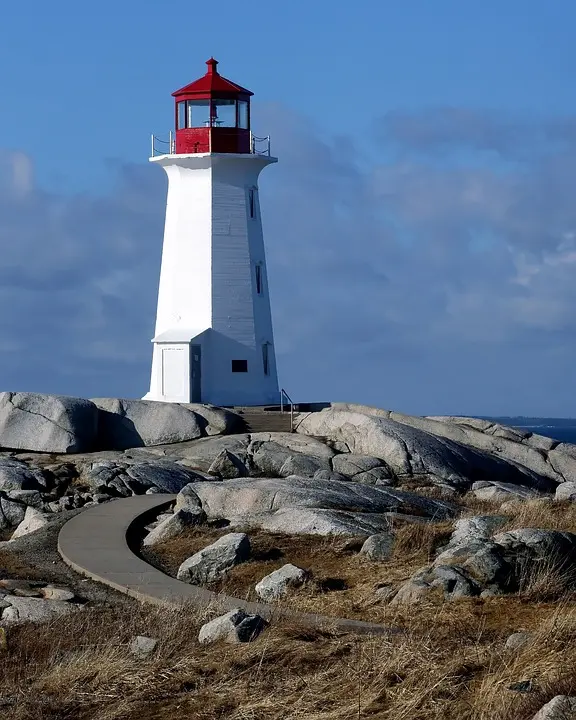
211 368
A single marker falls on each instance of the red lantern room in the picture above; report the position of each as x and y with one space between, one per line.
212 115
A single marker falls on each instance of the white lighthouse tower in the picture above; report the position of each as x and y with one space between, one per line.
213 341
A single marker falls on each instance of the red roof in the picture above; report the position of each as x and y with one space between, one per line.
211 83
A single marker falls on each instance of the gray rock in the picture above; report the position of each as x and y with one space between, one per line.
331 476
454 582
215 420
27 609
530 544
227 466
378 547
49 592
500 491
377 476
32 498
272 459
561 707
200 454
489 566
385 593
215 560
277 584
566 491
11 513
47 423
33 520
174 525
478 527
351 464
295 444
16 475
248 500
187 499
563 459
166 476
518 640
126 424
411 451
235 626
143 646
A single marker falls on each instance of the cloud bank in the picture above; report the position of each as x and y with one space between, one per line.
432 273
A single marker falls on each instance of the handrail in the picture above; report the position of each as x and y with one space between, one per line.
161 151
284 394
254 139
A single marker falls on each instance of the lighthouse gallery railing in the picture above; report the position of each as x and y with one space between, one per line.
258 145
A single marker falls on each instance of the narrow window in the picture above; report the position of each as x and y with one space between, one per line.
252 202
239 365
181 115
266 358
259 287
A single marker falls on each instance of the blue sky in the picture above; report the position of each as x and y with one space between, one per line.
420 225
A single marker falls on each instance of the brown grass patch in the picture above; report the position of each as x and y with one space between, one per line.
449 666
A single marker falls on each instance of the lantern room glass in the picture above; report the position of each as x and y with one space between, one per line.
223 113
198 113
243 116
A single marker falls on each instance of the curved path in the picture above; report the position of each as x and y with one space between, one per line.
95 544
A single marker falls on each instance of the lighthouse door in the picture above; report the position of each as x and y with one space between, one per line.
196 373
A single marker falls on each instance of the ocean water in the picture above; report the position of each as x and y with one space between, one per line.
561 429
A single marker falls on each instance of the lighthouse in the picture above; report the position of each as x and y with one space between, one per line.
213 340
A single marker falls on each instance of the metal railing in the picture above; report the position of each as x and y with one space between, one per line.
163 147
258 145
284 396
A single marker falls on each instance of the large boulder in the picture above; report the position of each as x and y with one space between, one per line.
236 626
123 479
201 454
502 492
11 513
16 476
410 451
510 444
47 423
125 424
306 505
30 609
561 707
174 525
277 584
33 520
216 560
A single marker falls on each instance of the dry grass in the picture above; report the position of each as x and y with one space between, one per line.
450 665
538 513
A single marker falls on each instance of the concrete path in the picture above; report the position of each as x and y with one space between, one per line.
94 543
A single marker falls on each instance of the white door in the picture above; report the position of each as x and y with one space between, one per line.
175 374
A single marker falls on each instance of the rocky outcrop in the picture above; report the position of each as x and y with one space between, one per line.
123 479
412 451
306 505
215 560
174 525
31 609
378 547
561 707
47 423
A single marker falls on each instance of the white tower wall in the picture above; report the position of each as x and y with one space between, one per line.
213 300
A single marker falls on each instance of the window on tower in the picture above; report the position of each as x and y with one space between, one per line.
181 115
252 202
259 284
198 113
239 366
224 113
266 358
243 117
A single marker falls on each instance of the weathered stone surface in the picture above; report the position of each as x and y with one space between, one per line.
453 582
188 500
57 593
566 491
123 479
272 459
174 525
215 560
536 544
351 465
47 423
228 466
411 451
16 475
563 460
295 443
561 707
518 640
33 498
215 420
26 609
246 498
143 646
235 626
125 424
331 476
500 491
378 547
11 513
33 520
478 527
200 454
278 583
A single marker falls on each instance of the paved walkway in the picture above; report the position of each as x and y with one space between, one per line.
94 543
